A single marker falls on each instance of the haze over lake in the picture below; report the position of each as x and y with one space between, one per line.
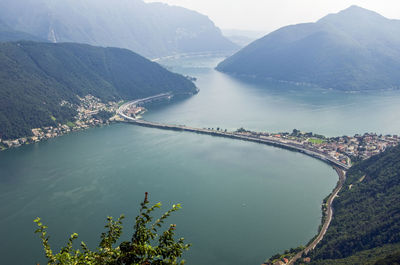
229 102
242 201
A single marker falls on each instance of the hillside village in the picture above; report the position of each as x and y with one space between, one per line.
91 112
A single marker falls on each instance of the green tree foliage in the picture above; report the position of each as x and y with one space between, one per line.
375 256
392 259
103 115
367 215
147 246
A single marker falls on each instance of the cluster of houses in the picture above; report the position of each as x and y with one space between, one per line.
91 105
135 111
367 145
357 147
88 108
343 149
284 261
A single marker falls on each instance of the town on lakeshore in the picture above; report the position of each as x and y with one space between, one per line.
92 112
343 148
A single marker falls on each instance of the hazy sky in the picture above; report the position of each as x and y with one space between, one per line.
267 15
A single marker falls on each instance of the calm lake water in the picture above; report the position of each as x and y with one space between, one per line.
242 202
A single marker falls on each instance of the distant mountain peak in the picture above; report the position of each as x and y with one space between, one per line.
355 49
356 7
353 12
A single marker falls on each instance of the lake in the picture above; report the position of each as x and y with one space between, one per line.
242 202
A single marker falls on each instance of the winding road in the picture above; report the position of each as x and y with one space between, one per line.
328 217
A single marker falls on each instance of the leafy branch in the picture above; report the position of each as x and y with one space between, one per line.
147 246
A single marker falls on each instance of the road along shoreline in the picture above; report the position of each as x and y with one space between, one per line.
328 214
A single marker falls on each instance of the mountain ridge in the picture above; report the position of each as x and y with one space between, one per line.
150 29
8 34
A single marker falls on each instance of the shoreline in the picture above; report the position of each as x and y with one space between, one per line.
91 112
57 136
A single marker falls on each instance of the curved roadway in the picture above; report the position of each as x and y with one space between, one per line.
269 141
328 217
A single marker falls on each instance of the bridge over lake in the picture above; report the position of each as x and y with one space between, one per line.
233 135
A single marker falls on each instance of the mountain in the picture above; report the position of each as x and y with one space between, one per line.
242 37
36 77
8 34
365 227
354 49
150 29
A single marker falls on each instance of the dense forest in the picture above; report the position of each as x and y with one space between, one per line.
366 224
36 77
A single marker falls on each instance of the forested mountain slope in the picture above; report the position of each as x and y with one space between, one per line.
366 223
36 77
